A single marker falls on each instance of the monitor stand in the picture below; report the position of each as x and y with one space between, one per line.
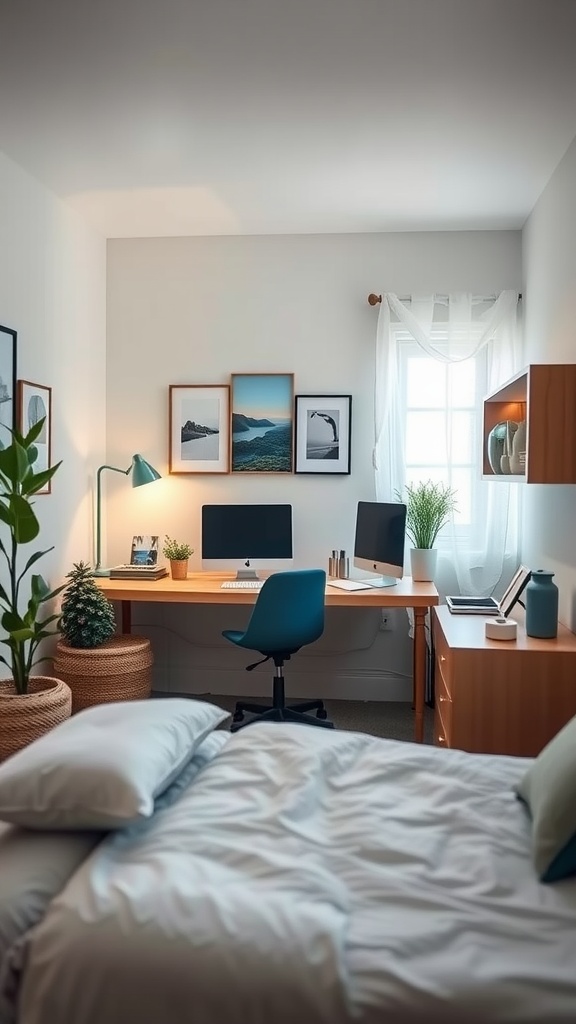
382 581
247 574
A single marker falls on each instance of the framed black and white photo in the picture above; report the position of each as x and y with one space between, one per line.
34 403
7 384
323 434
199 419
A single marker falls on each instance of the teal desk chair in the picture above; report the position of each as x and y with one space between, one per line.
289 613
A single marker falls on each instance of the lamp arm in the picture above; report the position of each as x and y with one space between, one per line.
99 509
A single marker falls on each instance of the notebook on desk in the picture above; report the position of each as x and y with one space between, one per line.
463 605
349 585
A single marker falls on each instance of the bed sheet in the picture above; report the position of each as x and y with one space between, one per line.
314 876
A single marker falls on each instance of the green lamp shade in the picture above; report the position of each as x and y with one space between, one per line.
142 472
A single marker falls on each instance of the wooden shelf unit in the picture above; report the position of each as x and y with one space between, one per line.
544 394
500 696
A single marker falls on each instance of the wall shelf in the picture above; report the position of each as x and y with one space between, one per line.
544 394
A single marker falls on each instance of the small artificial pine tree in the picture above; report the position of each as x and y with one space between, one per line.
87 618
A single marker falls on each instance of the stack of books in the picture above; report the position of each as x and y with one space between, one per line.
138 572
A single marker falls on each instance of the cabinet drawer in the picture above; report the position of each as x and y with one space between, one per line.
444 658
442 698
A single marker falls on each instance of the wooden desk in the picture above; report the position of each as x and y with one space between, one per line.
205 588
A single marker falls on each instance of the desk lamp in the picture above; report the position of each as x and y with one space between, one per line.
142 473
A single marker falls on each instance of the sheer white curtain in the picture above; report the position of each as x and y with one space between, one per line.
480 547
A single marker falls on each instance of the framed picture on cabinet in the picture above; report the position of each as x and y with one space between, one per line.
262 422
323 433
199 428
34 403
7 384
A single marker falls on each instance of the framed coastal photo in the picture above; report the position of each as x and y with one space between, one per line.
7 384
199 428
34 402
323 433
144 549
262 422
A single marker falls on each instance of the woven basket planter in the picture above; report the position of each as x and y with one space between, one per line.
120 669
25 717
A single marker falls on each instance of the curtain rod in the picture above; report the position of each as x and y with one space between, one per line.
374 299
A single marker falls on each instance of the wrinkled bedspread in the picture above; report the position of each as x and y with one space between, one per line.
315 877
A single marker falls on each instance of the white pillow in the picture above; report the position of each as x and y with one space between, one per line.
104 767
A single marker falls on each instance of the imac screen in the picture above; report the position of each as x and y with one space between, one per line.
379 540
244 538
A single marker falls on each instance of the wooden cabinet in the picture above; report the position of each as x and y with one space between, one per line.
497 696
544 395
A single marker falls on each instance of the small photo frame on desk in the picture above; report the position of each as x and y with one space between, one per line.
144 549
323 433
35 403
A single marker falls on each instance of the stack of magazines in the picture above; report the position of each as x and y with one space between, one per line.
138 572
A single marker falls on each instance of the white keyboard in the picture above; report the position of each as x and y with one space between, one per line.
241 584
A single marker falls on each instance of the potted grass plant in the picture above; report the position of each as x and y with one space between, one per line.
177 554
429 506
29 704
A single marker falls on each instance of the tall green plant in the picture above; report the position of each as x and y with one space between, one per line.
22 621
428 508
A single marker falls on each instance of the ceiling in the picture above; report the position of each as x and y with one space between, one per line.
207 117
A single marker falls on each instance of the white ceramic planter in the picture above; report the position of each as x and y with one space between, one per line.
423 564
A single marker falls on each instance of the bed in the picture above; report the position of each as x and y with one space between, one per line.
290 874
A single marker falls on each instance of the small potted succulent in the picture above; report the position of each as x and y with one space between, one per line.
429 506
177 554
98 666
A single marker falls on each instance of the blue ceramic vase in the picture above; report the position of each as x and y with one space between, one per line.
542 605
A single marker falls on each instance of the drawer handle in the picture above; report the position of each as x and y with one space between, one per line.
444 700
441 738
442 658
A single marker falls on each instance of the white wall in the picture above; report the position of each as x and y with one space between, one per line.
549 267
194 310
53 293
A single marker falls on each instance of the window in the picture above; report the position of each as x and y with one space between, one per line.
440 406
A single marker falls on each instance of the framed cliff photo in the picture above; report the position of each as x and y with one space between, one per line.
199 428
262 422
7 384
323 434
34 403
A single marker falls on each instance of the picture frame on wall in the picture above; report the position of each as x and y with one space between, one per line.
323 434
7 384
199 428
262 422
34 403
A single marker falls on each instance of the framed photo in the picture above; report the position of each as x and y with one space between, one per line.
199 419
7 384
144 549
514 590
323 434
35 403
262 425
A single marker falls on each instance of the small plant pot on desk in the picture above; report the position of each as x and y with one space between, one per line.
120 669
179 568
27 716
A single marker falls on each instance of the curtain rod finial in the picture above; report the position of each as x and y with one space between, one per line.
374 299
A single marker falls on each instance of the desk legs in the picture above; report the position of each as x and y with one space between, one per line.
126 613
419 672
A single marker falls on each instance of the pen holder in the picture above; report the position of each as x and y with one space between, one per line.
332 568
343 568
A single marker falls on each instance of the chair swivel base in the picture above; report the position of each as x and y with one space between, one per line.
271 714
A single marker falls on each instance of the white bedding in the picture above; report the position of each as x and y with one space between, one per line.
310 876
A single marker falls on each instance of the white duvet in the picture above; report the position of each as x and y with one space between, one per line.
313 876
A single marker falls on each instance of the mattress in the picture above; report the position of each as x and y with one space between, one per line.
314 876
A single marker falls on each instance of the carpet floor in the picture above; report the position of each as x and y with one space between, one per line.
392 720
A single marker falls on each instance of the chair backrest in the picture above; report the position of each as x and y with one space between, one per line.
289 611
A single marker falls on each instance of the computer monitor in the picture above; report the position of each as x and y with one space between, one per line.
379 540
246 538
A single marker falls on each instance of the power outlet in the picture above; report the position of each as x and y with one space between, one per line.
386 623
